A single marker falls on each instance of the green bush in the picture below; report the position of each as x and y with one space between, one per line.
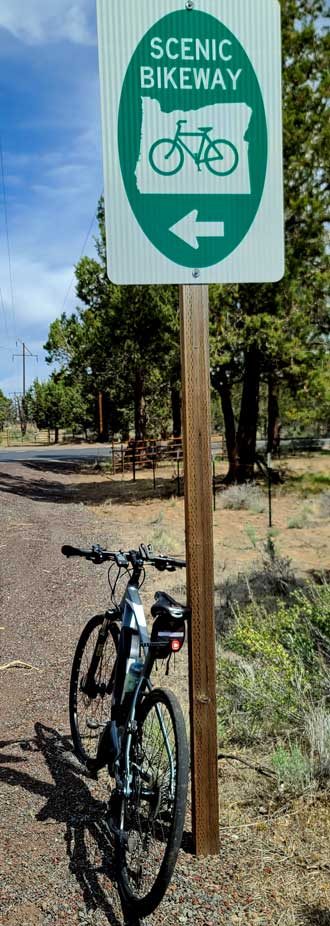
293 769
317 736
270 671
257 701
246 496
289 635
324 504
314 607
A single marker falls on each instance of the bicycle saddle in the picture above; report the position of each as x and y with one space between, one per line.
175 609
205 128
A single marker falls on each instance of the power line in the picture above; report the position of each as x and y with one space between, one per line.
4 312
7 235
79 258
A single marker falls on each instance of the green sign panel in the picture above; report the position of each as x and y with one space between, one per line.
192 138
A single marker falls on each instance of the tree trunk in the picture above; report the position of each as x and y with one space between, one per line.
247 428
274 421
139 406
176 410
230 430
106 408
56 430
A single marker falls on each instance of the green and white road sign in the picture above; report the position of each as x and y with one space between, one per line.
192 140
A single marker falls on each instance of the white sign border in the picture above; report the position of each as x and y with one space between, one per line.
132 258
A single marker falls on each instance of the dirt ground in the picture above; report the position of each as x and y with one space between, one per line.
273 866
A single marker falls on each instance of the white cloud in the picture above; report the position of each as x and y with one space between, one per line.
53 172
44 21
39 292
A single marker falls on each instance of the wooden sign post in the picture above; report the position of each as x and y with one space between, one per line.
199 554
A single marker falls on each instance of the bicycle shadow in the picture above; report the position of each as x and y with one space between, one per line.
68 800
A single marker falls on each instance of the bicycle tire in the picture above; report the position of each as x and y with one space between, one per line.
211 147
176 148
97 708
142 881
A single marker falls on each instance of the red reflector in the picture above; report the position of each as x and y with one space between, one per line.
176 645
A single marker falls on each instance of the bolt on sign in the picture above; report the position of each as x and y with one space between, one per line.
192 140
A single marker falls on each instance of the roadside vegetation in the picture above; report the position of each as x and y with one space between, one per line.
274 677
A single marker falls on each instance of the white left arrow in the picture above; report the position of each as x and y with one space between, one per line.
189 229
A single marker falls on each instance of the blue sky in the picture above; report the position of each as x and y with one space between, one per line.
51 141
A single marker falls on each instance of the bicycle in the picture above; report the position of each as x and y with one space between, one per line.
143 738
165 149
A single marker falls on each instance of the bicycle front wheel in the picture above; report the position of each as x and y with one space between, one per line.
90 698
221 157
166 157
152 819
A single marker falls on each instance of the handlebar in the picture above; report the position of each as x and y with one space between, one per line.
136 558
96 554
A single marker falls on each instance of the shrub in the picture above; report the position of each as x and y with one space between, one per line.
256 700
324 504
278 576
253 641
311 607
299 521
293 769
246 496
271 671
277 573
298 628
317 732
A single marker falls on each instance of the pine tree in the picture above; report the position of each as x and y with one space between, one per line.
277 333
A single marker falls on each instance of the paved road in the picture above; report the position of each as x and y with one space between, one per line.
18 454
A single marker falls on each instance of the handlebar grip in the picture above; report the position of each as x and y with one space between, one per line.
67 550
168 563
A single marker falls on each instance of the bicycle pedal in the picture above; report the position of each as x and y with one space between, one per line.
91 769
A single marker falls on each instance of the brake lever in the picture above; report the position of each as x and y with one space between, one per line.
160 564
97 554
144 551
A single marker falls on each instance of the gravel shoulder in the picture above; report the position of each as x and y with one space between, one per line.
55 861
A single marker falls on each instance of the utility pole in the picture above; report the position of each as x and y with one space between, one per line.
23 355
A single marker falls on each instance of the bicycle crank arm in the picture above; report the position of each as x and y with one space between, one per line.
94 725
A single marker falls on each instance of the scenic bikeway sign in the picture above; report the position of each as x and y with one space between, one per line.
192 140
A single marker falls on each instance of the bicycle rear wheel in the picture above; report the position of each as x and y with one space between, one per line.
90 699
151 821
221 157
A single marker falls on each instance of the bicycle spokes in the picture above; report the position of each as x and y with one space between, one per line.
153 814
